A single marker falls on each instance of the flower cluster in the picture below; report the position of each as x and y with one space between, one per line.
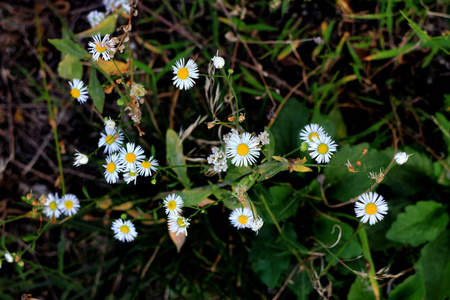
173 205
242 217
55 206
95 17
218 159
320 144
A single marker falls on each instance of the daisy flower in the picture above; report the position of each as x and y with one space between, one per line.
69 204
243 149
78 91
112 168
112 140
146 167
322 148
130 175
401 157
241 217
371 207
130 156
173 204
310 132
80 159
124 231
95 17
178 224
102 47
51 206
9 257
218 61
184 74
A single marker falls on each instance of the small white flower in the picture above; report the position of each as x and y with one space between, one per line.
256 224
69 204
78 91
322 148
146 167
102 47
110 124
241 217
226 137
184 74
80 159
95 17
401 157
310 132
112 140
178 224
218 61
9 257
130 175
173 204
243 150
131 156
263 138
124 231
112 168
218 159
51 206
371 207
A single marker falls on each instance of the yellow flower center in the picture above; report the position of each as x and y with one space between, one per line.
171 205
68 204
322 149
146 164
242 149
75 93
130 157
183 73
53 205
111 167
124 229
243 219
371 209
132 174
109 139
100 48
313 135
181 222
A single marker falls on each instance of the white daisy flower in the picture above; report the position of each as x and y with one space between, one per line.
112 140
95 17
371 207
102 47
322 148
184 74
124 231
112 168
243 149
146 167
173 204
218 61
69 204
241 217
256 224
310 132
401 157
51 206
80 159
178 224
131 156
218 159
130 175
78 91
110 124
9 257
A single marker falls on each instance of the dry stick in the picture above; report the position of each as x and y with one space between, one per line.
35 172
286 282
152 258
173 103
152 116
39 152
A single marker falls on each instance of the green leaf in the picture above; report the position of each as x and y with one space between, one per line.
175 156
107 26
300 284
271 146
70 68
361 289
389 53
419 223
413 288
69 47
195 196
278 199
434 266
96 91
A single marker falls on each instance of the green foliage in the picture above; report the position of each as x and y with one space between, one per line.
69 47
360 289
413 288
174 149
96 91
70 68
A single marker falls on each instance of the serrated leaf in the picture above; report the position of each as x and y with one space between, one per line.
67 46
96 91
412 288
70 68
174 150
107 26
419 223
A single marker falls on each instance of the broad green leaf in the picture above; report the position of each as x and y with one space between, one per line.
434 266
175 156
107 26
96 91
70 68
279 199
419 223
270 169
361 289
413 288
195 196
300 284
69 47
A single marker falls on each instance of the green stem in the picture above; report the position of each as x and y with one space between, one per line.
366 251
